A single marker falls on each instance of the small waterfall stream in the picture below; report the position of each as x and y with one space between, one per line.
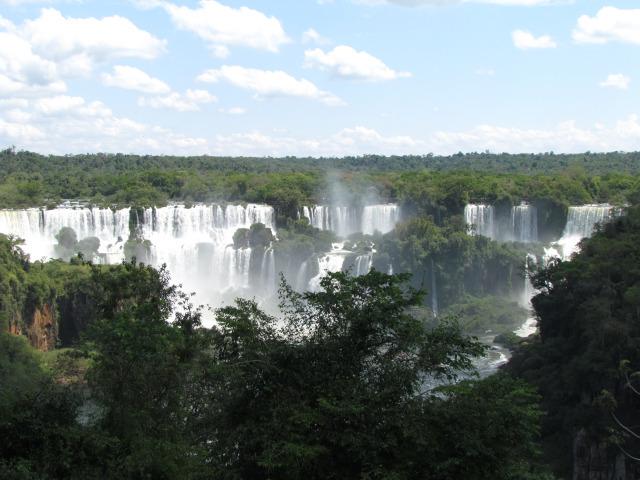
345 221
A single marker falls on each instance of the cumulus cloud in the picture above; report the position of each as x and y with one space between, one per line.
566 137
82 41
221 25
312 36
70 106
525 40
38 55
189 101
22 72
65 124
346 62
131 78
610 24
269 83
616 80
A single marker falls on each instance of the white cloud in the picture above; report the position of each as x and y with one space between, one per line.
6 24
220 51
417 3
608 25
36 56
616 80
131 78
525 40
65 124
268 83
233 110
67 105
566 137
72 125
75 44
347 62
312 36
222 25
190 101
22 72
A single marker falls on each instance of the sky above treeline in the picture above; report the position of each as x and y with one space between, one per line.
319 77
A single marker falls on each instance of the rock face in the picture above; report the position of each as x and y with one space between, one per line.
42 328
596 461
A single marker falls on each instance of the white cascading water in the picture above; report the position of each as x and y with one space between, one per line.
203 235
268 271
38 227
520 226
301 277
330 262
524 223
481 218
362 264
341 220
195 243
530 326
379 218
345 221
581 223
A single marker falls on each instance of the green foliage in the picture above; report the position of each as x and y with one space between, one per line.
88 247
299 242
139 374
494 314
338 387
257 236
588 311
67 238
41 438
462 264
137 248
20 372
434 185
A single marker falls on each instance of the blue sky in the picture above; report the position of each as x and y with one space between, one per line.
309 77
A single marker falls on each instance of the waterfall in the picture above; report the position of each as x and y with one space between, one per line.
434 290
530 325
330 262
379 218
520 226
202 235
268 271
362 264
302 282
482 218
581 223
38 227
524 223
195 243
345 221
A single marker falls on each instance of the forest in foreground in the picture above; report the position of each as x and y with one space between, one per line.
344 383
109 371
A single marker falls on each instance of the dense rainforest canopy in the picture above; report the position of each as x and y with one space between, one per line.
29 179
